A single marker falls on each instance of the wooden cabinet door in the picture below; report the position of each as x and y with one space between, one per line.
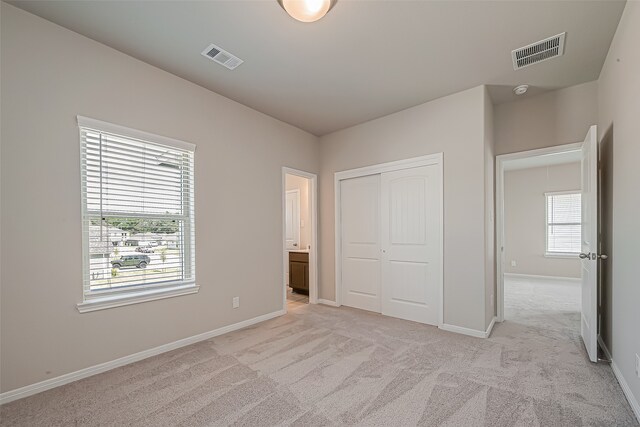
299 275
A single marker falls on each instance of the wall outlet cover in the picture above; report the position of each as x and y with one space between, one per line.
236 302
513 263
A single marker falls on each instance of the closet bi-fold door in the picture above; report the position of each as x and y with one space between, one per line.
410 239
360 222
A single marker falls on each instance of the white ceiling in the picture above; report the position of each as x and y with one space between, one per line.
364 60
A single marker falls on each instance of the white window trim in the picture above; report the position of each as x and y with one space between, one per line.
99 125
547 254
111 298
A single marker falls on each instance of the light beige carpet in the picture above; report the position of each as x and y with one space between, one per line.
329 366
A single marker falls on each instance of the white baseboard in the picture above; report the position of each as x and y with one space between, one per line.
469 331
627 390
461 330
571 280
328 302
32 389
487 333
633 402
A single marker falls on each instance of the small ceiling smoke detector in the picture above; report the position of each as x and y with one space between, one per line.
548 48
222 57
521 90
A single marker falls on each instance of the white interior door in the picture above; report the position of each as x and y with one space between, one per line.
410 219
292 219
589 255
360 222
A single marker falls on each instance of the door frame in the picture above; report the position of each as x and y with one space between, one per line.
313 243
428 160
501 161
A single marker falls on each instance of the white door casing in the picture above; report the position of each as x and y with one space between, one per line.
360 225
589 255
292 220
410 224
312 182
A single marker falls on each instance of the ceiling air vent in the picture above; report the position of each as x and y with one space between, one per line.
222 57
538 51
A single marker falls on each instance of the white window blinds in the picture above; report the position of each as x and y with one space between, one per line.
138 210
564 225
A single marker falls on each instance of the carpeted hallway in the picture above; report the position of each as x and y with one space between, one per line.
328 366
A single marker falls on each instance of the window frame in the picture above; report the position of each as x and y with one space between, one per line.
126 295
547 252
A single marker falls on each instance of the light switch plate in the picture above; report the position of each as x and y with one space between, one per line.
236 302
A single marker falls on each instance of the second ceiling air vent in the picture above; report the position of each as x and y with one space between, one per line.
538 51
222 57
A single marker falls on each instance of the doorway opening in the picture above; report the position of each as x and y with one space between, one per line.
546 217
539 234
299 238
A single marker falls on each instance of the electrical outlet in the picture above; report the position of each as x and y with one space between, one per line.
513 263
236 302
637 365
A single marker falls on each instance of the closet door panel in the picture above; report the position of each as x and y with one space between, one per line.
360 222
410 219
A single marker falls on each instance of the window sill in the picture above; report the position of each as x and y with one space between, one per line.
561 255
112 301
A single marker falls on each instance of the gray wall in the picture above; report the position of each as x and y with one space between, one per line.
50 75
619 129
453 125
524 219
552 118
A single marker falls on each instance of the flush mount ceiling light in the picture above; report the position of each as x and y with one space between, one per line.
307 10
520 90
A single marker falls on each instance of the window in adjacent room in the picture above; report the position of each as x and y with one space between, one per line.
137 216
564 226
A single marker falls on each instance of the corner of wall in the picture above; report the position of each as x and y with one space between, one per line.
489 211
